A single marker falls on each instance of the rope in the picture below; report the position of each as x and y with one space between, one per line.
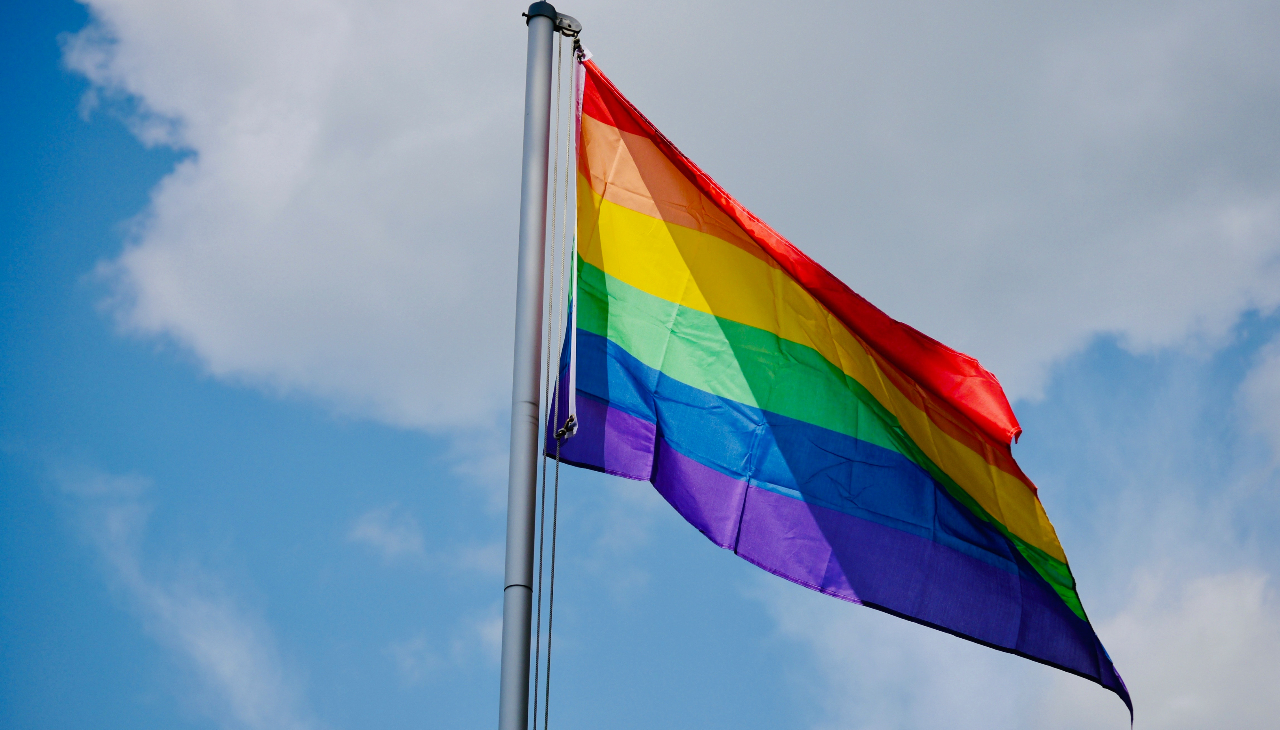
560 297
549 394
579 55
564 249
551 601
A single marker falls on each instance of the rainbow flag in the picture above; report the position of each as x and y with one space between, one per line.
791 421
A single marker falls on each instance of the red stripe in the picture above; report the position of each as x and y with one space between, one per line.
953 377
950 421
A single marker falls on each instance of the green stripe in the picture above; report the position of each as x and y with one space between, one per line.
760 369
734 361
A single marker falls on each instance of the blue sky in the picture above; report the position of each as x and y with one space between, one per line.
257 344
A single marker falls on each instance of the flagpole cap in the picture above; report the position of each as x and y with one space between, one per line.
564 24
544 9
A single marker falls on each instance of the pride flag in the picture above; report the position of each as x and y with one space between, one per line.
791 421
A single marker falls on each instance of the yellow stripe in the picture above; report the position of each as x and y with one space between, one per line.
708 274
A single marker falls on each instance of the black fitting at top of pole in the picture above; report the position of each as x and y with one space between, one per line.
546 10
564 24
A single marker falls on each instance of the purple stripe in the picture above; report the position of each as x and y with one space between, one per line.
885 568
847 556
607 440
714 506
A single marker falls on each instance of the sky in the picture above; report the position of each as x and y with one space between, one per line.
256 353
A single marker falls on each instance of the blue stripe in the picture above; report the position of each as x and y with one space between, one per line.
789 457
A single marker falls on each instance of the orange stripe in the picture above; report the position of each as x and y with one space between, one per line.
629 170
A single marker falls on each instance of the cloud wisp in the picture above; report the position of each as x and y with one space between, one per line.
1259 396
391 532
396 536
243 680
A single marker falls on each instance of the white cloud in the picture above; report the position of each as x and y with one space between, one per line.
395 534
487 631
479 455
414 658
348 203
623 515
1168 518
244 681
1260 396
391 531
876 671
483 559
1195 653
478 637
1013 184
1017 186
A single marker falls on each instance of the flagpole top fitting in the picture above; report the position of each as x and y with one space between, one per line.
566 25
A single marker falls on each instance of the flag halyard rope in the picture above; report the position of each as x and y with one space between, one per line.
549 391
566 430
558 300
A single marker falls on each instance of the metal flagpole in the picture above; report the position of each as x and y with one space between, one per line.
517 597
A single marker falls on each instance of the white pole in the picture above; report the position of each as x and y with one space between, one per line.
517 597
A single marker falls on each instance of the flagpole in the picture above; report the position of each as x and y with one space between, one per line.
517 596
